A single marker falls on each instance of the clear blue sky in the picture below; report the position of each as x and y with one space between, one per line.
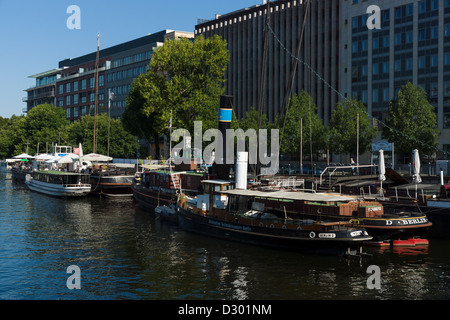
34 36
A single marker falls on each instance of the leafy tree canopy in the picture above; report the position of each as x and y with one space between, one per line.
412 121
343 132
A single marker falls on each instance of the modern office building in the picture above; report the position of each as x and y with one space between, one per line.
244 32
44 91
72 85
347 58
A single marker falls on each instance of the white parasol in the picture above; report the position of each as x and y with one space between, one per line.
23 156
416 167
381 171
95 157
68 158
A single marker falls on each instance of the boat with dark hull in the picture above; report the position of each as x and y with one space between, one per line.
160 186
112 181
223 214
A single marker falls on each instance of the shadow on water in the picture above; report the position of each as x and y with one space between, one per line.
125 253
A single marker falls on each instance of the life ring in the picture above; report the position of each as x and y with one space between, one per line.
312 234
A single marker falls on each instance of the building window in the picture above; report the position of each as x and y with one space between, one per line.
386 67
409 64
60 89
446 120
386 94
422 35
75 112
447 30
434 4
409 9
409 37
421 62
434 32
398 39
447 88
375 95
434 60
101 80
68 113
83 84
75 86
386 41
91 82
398 65
67 87
422 6
375 68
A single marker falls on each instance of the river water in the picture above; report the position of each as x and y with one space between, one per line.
124 253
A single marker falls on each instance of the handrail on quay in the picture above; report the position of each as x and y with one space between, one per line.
355 167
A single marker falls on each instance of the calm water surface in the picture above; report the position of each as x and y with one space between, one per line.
124 253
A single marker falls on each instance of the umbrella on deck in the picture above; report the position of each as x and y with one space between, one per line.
23 156
69 158
416 167
382 170
93 157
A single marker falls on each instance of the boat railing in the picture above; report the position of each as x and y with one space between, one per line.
74 185
332 170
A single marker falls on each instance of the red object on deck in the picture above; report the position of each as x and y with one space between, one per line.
403 243
418 241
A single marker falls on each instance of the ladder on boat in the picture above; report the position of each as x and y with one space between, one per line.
176 181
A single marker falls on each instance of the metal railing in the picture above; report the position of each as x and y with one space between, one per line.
332 170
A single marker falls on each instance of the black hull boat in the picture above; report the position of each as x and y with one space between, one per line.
112 185
148 198
264 229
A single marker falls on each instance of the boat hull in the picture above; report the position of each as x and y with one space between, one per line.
57 190
112 186
148 198
307 241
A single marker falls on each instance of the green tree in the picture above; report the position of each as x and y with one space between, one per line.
12 134
122 144
343 130
185 80
43 124
302 113
412 122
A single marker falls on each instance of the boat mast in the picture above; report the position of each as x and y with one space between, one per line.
96 94
263 78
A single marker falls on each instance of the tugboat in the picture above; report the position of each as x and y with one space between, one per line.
236 214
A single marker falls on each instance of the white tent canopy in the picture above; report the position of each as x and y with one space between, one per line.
69 158
95 157
23 156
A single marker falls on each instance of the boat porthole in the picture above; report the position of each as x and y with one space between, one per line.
283 227
261 224
272 226
319 211
312 235
299 228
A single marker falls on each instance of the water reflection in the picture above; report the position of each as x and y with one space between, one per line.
124 253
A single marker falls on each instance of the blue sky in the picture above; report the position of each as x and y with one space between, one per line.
34 36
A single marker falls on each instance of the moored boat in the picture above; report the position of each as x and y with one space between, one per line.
59 183
232 214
